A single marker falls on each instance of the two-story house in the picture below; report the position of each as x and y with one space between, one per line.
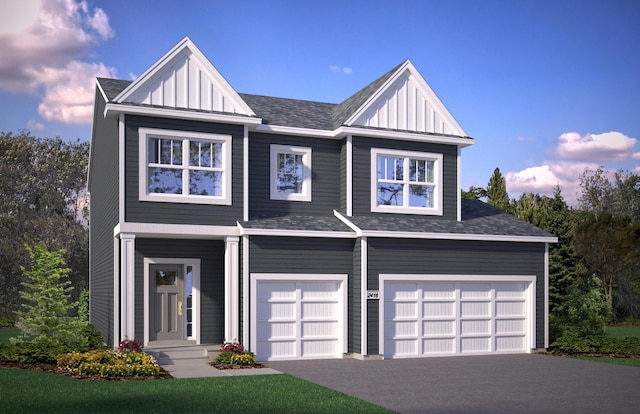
303 229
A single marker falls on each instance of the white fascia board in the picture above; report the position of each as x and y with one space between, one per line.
305 132
297 233
104 95
177 231
346 221
457 236
405 136
112 109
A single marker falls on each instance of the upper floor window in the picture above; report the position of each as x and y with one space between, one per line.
406 182
185 167
290 173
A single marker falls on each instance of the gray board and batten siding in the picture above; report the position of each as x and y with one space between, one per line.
362 173
454 257
181 213
325 177
104 217
212 287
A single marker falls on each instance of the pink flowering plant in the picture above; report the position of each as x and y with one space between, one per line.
130 345
232 346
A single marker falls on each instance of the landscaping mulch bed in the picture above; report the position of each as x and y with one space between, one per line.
53 368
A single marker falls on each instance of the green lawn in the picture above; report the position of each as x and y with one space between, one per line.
30 392
623 331
7 333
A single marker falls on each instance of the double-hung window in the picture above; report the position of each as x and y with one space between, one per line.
185 167
290 173
406 182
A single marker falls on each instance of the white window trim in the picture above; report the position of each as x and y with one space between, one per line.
306 172
436 210
143 194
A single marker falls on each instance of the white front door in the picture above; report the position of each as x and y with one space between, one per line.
440 317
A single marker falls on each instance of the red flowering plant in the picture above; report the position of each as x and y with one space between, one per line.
130 345
232 346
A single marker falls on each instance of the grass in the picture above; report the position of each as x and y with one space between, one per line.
7 333
30 392
623 331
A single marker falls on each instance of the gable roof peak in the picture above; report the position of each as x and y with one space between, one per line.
401 100
184 78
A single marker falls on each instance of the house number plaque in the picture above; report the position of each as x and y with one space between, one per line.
373 294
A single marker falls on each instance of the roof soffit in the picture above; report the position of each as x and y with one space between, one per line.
405 101
184 78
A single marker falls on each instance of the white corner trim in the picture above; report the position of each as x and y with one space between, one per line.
546 296
231 291
459 184
246 336
245 174
127 286
364 312
121 167
116 292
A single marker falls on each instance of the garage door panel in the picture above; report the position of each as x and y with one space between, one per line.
394 329
276 291
276 330
319 329
318 290
281 349
438 328
319 310
510 308
275 311
455 317
509 343
470 309
316 348
438 309
439 346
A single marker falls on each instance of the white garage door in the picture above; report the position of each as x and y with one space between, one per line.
448 317
296 318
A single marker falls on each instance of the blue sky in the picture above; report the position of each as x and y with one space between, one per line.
546 88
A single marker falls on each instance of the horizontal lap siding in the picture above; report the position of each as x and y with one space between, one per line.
394 256
211 253
181 213
362 173
104 217
325 178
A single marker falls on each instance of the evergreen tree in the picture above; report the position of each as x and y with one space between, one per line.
497 191
46 308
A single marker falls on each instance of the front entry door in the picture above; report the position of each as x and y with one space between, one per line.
166 304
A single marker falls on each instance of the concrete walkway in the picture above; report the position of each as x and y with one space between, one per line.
192 361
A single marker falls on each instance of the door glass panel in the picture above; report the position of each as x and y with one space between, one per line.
189 300
166 278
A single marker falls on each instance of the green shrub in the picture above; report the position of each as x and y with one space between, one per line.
224 357
6 322
573 343
109 363
586 308
244 359
32 352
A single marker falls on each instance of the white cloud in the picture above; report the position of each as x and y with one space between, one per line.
635 156
542 179
46 57
610 146
338 69
33 125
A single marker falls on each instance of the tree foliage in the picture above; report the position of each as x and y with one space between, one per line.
45 314
497 191
42 198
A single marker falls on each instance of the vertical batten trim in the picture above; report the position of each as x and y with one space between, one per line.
459 183
121 167
349 178
364 275
231 276
116 292
245 174
127 286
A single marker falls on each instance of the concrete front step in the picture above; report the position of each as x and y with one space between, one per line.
171 354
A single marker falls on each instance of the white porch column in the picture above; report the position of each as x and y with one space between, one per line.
127 286
231 279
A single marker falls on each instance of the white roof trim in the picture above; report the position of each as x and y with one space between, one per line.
441 236
424 88
166 63
295 233
179 231
114 109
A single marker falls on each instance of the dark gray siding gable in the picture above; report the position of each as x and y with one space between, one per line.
325 185
104 217
181 213
362 173
449 257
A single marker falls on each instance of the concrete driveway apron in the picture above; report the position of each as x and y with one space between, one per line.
527 383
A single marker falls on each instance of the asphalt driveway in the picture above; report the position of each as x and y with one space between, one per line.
526 383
